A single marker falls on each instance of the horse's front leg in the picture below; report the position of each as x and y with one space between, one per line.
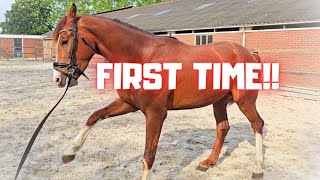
154 122
116 108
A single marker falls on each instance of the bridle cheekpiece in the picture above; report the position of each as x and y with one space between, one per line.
75 69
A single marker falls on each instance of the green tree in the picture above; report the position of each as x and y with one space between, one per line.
28 17
94 6
40 16
147 2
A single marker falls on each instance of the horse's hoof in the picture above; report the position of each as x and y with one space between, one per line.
257 175
202 169
67 158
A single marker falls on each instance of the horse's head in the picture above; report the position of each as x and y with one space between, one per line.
75 48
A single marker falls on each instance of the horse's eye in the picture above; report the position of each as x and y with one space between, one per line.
64 42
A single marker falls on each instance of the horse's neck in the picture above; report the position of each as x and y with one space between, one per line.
119 43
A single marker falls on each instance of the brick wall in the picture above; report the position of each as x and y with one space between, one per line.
48 49
31 47
188 39
233 37
297 51
4 43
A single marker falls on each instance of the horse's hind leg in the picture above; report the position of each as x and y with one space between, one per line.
116 108
247 105
222 128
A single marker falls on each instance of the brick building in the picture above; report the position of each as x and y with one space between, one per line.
48 48
286 31
26 46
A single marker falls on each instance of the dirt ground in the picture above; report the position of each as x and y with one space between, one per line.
115 146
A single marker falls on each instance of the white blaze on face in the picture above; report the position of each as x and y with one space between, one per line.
57 76
58 79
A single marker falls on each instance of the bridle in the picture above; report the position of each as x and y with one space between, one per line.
75 69
70 75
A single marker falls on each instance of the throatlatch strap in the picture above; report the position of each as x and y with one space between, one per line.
36 132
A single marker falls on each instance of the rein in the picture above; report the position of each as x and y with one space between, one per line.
70 75
36 132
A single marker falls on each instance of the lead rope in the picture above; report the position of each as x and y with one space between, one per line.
36 132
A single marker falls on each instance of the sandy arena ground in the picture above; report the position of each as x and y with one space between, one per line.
115 147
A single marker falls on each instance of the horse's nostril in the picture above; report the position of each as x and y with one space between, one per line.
57 80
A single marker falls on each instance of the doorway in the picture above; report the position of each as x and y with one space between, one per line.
17 47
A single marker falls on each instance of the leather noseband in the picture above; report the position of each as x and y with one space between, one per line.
75 69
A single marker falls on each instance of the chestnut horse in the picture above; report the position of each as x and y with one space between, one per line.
121 43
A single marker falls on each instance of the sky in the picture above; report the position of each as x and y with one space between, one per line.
4 6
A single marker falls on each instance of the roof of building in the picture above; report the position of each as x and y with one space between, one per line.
175 15
47 35
21 36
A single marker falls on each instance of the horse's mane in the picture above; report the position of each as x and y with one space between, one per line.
138 29
132 27
63 21
58 28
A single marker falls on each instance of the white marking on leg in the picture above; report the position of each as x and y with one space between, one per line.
78 141
259 154
146 174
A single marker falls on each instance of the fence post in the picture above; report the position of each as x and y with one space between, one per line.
7 53
36 54
42 53
52 53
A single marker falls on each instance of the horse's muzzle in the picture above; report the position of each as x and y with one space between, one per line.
60 80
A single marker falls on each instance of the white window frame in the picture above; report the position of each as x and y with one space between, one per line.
201 35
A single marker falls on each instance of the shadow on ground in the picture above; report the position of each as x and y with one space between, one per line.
190 143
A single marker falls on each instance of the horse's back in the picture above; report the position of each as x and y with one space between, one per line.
240 53
187 93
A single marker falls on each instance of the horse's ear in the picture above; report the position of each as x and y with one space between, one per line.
72 11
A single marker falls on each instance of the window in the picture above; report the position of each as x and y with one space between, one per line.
17 47
209 39
17 42
305 25
204 31
228 29
267 27
197 40
203 39
184 32
160 33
